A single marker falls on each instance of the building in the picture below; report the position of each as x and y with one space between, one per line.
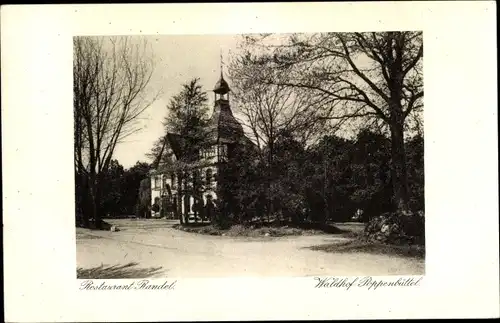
181 192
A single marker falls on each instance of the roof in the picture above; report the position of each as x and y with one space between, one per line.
176 143
223 125
247 142
221 87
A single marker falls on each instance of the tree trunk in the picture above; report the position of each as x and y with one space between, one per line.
398 169
84 200
86 203
97 206
397 120
270 178
95 200
326 214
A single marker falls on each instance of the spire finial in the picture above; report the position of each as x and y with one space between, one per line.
221 62
221 87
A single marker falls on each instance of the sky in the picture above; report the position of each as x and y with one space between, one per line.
178 58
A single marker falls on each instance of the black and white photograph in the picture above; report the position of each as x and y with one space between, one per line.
295 154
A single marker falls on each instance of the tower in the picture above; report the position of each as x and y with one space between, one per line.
221 88
225 129
225 134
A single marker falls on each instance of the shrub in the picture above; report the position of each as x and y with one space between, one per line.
396 228
221 219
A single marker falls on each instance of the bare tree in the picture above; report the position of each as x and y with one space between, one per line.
364 78
270 110
111 91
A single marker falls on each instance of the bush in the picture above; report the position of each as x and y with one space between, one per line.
222 220
396 228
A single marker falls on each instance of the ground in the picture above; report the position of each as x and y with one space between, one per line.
153 248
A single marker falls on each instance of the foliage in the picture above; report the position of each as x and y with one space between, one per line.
188 117
125 192
239 186
415 160
330 181
112 192
131 186
297 93
239 230
144 199
337 175
356 79
396 228
336 125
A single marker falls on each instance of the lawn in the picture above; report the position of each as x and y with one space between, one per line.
262 230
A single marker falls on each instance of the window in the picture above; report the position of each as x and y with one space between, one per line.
172 180
157 182
209 175
167 190
208 152
223 152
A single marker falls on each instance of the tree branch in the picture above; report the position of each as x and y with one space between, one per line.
411 103
414 61
361 74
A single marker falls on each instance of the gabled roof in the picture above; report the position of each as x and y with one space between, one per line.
180 146
176 143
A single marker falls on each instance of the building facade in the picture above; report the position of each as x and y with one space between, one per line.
184 192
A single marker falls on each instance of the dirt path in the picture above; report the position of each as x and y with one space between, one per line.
152 243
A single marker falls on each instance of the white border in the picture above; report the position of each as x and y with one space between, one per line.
460 160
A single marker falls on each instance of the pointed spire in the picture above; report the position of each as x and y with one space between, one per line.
221 64
221 87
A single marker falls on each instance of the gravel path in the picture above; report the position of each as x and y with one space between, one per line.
154 243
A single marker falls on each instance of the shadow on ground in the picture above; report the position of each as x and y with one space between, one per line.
129 270
410 251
